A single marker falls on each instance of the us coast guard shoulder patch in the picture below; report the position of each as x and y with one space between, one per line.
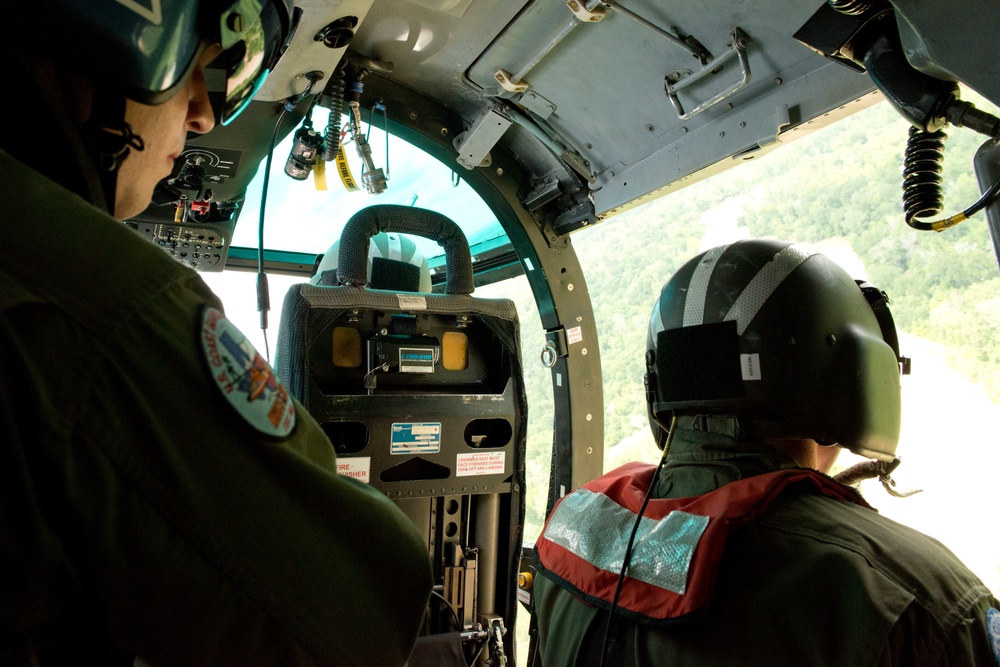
244 377
993 630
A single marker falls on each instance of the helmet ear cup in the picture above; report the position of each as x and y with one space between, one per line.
879 302
863 407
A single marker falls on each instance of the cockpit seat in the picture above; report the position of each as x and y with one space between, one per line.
422 395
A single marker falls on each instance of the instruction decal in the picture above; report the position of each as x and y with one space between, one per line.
358 467
416 438
345 171
574 335
480 463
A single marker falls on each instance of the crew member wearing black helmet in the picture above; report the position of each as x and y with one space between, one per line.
762 358
162 498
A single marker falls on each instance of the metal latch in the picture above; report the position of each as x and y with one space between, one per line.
677 81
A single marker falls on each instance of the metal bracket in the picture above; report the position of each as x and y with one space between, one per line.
474 144
672 83
555 346
497 657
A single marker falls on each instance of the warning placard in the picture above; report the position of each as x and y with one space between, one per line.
358 467
480 463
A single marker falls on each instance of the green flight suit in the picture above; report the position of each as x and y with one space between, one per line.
815 581
140 511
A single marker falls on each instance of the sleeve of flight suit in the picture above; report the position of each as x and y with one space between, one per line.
961 638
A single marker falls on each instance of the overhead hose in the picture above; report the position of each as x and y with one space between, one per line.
922 193
333 97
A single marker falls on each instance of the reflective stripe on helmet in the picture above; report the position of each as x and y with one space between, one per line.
762 286
694 303
754 295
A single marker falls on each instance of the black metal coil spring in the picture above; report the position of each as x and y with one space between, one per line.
922 193
335 96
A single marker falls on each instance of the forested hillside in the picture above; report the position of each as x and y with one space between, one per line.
842 183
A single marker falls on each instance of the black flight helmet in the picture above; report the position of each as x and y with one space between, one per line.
784 339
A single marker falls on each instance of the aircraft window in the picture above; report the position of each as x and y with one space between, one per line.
838 189
301 216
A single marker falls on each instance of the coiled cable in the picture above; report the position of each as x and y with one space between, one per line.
922 193
333 97
922 160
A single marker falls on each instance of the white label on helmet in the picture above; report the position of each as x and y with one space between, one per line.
750 365
762 286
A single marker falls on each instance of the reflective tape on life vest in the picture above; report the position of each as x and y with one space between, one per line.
597 529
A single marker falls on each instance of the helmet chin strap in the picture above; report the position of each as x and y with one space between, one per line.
859 472
109 139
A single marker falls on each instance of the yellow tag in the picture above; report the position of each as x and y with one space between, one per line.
319 174
345 171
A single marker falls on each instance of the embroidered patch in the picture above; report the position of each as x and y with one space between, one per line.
245 378
993 630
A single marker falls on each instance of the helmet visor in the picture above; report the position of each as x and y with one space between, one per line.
253 37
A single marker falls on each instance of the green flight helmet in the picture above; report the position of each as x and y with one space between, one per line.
781 337
147 50
394 263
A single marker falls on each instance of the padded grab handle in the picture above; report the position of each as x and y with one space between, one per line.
366 223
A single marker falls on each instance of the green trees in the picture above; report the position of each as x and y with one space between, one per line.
842 183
